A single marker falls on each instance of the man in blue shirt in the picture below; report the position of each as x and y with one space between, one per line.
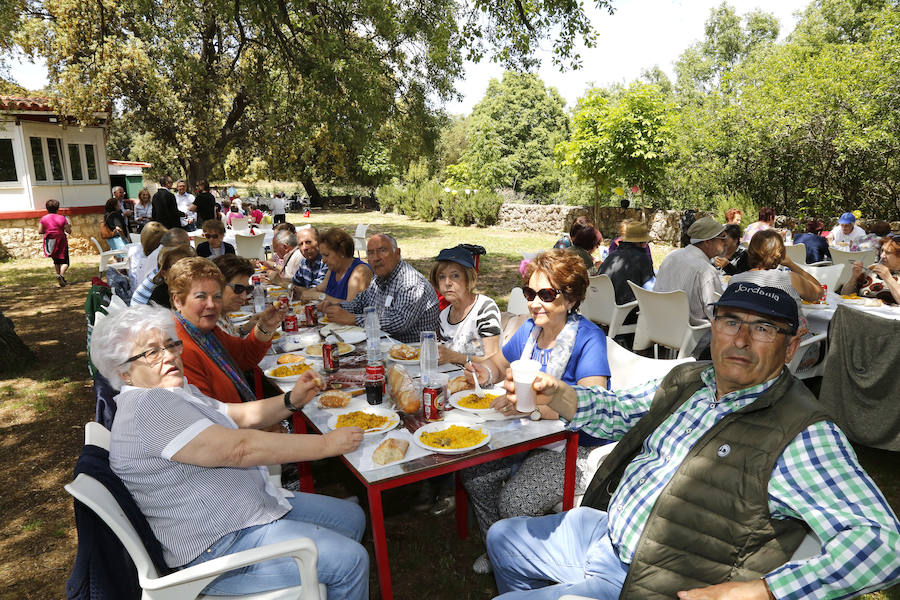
816 245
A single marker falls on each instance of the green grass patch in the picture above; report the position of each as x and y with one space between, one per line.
32 526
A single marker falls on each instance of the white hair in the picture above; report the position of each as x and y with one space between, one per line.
116 332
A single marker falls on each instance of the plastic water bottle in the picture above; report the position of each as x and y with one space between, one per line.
259 297
373 333
428 354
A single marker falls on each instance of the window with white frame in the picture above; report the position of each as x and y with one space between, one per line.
90 161
49 160
54 151
37 158
7 161
75 162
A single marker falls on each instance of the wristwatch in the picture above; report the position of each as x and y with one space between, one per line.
287 402
262 329
535 415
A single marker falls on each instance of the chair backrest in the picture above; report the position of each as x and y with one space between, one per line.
844 257
628 369
250 246
197 240
664 317
797 253
359 238
96 243
830 275
517 304
361 229
135 238
96 434
600 301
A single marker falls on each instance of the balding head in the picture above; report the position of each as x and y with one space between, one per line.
175 237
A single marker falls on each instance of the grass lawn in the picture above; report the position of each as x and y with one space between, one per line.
43 409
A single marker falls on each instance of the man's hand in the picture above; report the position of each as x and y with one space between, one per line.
336 314
546 387
733 590
343 440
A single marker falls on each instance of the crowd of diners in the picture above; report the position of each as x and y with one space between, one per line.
720 470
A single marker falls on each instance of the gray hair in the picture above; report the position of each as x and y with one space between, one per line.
392 239
286 237
118 187
115 333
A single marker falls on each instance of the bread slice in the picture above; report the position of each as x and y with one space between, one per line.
458 384
390 450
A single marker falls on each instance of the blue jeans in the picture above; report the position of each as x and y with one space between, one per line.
336 526
542 558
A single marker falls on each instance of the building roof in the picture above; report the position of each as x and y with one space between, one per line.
30 103
130 163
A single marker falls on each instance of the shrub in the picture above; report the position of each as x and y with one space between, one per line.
723 202
458 210
389 197
485 207
428 201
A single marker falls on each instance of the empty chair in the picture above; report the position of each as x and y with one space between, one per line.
600 306
664 320
809 360
796 252
135 237
359 239
517 304
197 240
107 257
239 222
830 275
844 257
250 246
630 370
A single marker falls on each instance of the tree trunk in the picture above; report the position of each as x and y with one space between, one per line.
315 199
196 169
14 354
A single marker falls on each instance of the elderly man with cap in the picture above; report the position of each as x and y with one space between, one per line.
630 261
846 232
404 300
690 269
719 473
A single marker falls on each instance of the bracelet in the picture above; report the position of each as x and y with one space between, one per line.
262 329
287 402
487 365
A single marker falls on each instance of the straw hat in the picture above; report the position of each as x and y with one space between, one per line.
636 232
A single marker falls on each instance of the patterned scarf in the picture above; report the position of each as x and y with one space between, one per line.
561 351
213 348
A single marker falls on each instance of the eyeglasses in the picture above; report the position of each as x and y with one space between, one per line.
240 288
378 251
154 356
546 295
759 330
213 236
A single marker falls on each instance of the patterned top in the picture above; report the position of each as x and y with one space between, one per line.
689 269
817 479
310 273
483 320
188 507
752 229
143 212
143 292
405 301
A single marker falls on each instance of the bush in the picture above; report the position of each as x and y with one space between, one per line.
723 202
458 210
485 207
389 197
428 201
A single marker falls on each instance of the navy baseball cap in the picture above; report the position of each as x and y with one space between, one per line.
847 218
457 254
767 301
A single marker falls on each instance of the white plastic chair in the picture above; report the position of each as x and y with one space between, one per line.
107 257
797 253
359 239
813 369
845 257
197 240
135 237
250 246
239 222
188 583
629 370
665 320
600 306
830 276
517 304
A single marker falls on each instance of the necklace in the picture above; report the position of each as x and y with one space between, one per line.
543 355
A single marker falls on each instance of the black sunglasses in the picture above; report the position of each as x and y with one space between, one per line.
546 295
240 288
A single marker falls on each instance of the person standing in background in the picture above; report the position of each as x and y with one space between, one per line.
165 209
143 210
185 200
54 228
204 203
278 214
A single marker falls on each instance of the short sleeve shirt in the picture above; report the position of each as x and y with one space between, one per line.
588 357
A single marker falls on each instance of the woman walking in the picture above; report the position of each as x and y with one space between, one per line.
54 228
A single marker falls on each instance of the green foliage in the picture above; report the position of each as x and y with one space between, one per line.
485 206
723 202
428 200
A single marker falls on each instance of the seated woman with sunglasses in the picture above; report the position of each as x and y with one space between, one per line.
214 360
214 231
569 347
176 449
237 271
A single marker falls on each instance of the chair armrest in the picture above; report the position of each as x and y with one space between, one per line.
628 305
193 579
821 263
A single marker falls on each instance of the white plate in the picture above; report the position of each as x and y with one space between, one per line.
239 316
393 418
432 427
816 306
288 379
315 350
402 361
455 398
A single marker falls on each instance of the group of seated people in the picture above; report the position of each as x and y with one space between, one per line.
190 420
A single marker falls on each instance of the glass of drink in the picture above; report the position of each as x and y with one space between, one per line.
374 389
524 372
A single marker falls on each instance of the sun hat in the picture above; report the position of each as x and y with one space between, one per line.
847 218
457 254
705 228
767 301
636 232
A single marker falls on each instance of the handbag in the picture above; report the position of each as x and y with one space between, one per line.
105 232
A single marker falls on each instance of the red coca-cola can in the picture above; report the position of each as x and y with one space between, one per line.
289 325
824 293
375 371
310 311
433 402
330 360
255 279
283 301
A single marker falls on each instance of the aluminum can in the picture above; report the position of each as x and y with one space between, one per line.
310 311
374 389
255 279
824 292
330 360
376 370
283 301
433 402
289 325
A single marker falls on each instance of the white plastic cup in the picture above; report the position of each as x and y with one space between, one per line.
524 372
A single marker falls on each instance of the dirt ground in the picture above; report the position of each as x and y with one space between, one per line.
42 413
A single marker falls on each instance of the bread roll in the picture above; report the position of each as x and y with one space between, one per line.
390 450
403 392
458 384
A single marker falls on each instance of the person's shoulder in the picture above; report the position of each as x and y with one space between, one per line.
588 331
229 249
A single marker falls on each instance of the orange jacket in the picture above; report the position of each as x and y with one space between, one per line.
202 372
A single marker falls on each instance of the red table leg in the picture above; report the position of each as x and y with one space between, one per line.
304 471
569 478
462 508
376 514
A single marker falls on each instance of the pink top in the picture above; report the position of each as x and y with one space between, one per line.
54 223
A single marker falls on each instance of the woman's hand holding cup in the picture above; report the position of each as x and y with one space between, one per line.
544 388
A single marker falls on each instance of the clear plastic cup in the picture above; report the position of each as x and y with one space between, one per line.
524 372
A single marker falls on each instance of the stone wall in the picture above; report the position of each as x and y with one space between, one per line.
19 238
665 225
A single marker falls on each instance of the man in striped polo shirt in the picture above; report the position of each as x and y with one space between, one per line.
718 475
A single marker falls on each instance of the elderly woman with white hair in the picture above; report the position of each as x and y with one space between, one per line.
286 257
195 466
